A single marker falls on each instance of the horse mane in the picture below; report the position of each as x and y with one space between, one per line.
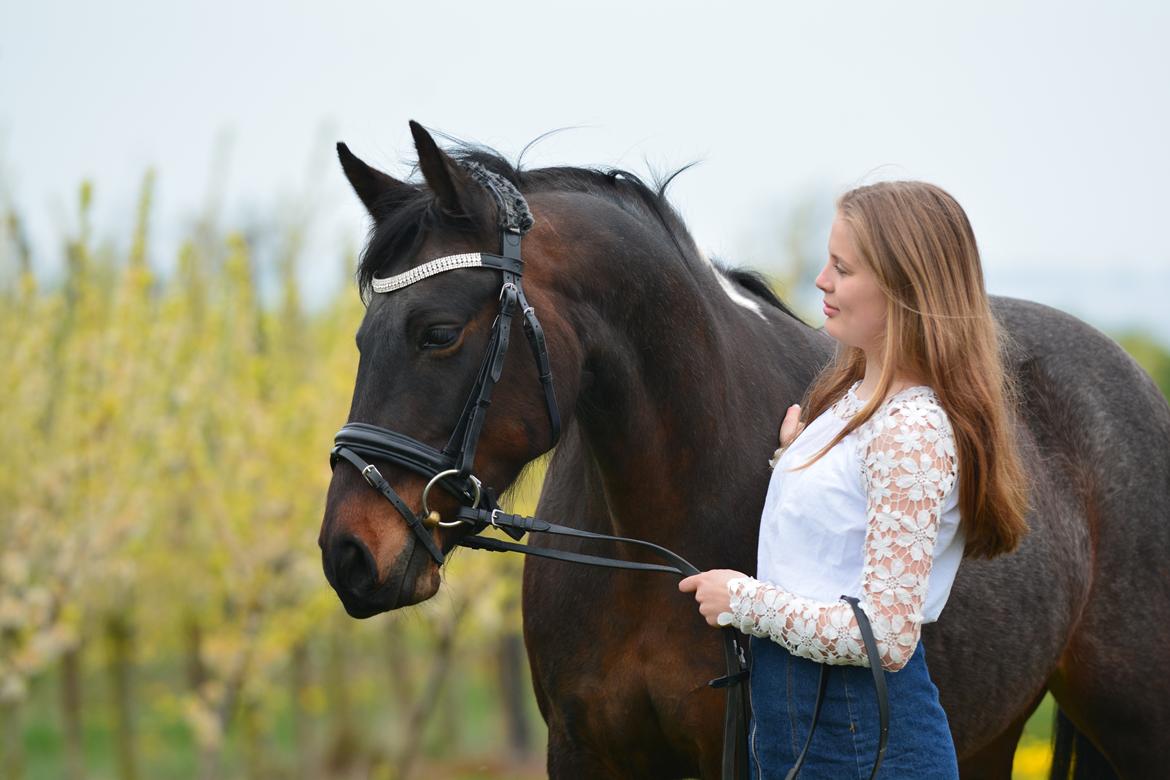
416 215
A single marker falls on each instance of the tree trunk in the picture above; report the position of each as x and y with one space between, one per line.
511 661
344 741
253 739
120 634
196 671
299 680
426 703
399 667
206 756
71 713
233 685
11 739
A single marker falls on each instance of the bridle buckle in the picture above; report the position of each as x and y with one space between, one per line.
373 480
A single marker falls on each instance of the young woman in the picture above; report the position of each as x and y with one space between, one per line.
908 465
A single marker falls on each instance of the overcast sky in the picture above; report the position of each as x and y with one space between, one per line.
1048 121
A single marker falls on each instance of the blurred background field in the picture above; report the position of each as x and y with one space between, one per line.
162 606
177 312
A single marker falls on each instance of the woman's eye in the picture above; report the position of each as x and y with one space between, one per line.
840 270
440 337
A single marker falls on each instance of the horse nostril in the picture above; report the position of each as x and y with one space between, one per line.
355 567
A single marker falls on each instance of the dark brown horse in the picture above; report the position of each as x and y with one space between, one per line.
672 374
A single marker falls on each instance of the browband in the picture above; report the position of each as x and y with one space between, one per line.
447 263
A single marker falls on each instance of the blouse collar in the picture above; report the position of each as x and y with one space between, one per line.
849 403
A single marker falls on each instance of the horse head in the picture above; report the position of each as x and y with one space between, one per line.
422 348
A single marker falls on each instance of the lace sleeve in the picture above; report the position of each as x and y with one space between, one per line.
909 467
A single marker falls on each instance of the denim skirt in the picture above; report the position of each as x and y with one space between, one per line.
844 744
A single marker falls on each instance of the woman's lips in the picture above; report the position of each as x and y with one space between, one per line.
829 310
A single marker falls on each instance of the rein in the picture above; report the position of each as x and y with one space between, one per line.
358 443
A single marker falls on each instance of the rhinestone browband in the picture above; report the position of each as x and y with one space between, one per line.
437 266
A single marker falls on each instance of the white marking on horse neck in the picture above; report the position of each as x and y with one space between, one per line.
729 287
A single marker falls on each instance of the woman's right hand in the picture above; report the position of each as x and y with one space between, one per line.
791 425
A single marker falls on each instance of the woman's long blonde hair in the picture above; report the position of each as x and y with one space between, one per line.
939 328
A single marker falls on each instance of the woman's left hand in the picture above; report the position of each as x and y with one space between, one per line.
710 589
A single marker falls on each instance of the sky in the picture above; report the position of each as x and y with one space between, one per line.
1047 121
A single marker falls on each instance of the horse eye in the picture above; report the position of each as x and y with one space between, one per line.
439 337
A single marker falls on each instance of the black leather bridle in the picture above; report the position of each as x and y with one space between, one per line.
451 468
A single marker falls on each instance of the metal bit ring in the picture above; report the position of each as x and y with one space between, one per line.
427 510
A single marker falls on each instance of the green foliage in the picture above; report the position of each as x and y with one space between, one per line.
164 474
1151 355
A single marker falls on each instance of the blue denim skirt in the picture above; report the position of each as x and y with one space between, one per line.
844 744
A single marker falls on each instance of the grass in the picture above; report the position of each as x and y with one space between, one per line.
466 748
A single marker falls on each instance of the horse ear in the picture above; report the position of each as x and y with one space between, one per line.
441 172
380 193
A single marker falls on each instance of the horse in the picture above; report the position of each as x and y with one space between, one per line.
672 371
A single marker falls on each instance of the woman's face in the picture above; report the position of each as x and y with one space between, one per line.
857 316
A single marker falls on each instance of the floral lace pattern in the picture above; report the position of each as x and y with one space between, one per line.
909 467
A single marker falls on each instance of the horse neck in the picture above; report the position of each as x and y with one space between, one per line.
682 392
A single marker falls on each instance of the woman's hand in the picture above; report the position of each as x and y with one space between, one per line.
710 589
791 425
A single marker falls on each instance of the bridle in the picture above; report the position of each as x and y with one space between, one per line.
451 467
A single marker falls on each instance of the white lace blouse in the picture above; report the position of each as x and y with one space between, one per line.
877 518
